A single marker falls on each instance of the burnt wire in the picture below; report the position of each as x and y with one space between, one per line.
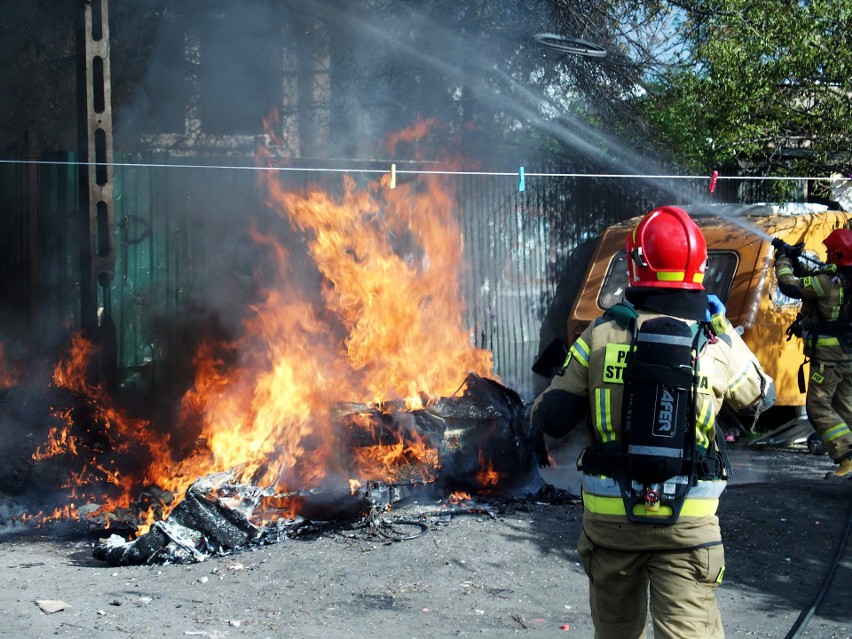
384 528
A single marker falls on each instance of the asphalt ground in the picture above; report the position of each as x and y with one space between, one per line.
496 568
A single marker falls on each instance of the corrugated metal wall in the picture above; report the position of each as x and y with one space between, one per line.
182 239
528 251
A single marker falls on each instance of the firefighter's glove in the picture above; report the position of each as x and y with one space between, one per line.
786 250
714 307
715 314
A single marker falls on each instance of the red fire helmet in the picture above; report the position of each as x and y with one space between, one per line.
667 250
839 245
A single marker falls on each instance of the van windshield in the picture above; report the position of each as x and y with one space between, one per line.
721 268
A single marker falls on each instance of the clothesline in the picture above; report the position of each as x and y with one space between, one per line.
393 169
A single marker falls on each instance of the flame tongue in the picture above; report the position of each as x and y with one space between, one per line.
385 332
391 260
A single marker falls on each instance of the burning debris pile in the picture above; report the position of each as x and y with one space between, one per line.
218 516
345 385
476 442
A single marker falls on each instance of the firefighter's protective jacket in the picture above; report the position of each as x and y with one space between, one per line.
822 296
590 384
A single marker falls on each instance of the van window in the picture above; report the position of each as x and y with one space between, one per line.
721 268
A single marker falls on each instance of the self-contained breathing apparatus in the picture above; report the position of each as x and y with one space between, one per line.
658 418
657 461
655 458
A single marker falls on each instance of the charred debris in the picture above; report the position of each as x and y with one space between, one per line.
487 456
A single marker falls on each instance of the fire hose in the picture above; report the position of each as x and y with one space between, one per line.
806 614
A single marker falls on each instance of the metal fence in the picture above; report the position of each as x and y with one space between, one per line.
184 253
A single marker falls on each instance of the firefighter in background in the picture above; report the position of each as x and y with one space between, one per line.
824 326
648 540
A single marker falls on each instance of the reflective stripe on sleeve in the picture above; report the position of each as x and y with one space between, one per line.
835 310
783 270
813 284
580 352
740 378
603 415
704 423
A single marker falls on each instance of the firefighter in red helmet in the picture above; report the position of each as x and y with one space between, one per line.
648 379
825 326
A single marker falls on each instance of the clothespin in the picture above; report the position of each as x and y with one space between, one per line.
713 179
393 176
521 185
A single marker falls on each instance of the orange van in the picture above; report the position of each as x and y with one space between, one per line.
740 271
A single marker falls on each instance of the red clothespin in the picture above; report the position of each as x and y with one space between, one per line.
713 179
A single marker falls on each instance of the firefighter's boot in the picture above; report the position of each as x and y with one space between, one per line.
844 471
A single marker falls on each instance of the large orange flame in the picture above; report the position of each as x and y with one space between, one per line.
387 335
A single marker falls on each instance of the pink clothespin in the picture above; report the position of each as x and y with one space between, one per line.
713 179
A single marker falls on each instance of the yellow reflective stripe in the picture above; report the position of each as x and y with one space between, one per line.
740 378
784 270
834 432
603 486
704 424
678 276
813 282
835 310
827 341
603 415
603 505
580 350
615 506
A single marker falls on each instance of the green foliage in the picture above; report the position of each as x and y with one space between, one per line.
766 86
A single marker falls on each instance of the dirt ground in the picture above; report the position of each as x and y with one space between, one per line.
505 568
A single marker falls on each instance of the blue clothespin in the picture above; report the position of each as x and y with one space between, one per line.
521 184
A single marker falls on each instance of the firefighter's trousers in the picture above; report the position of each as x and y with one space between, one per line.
829 406
679 585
